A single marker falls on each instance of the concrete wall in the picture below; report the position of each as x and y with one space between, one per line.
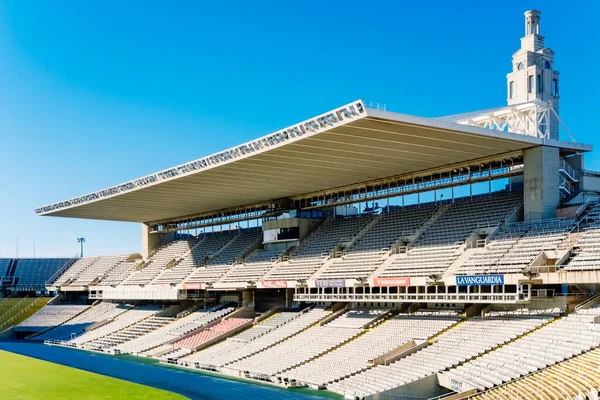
425 388
541 182
590 181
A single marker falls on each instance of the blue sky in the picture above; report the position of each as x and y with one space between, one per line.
96 93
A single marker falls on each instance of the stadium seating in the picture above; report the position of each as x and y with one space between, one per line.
313 252
355 356
207 246
517 245
232 350
207 334
4 266
253 268
239 246
159 260
308 344
586 251
35 272
77 325
118 273
50 316
75 270
577 378
439 244
556 342
458 344
98 269
172 331
122 321
372 248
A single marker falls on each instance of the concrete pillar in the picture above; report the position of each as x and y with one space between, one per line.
541 182
151 240
247 297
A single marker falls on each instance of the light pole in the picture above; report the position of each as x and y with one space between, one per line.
81 241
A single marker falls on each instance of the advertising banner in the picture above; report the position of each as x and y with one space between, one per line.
394 281
479 280
330 283
193 285
273 284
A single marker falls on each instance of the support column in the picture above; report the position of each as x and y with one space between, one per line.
541 182
151 240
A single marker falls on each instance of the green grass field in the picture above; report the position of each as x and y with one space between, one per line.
25 378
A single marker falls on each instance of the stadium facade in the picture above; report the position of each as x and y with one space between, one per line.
316 260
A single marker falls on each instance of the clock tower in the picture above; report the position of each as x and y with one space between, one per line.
533 76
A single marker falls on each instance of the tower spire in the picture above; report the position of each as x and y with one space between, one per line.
533 76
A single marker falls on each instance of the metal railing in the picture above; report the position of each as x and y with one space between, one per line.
567 169
415 297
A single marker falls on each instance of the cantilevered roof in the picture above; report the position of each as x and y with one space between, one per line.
348 145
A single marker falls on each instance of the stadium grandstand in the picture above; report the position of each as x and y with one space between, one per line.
365 252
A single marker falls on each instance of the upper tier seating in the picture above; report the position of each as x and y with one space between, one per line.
576 378
311 254
355 356
172 331
99 269
586 252
517 245
206 247
223 262
370 250
74 270
119 273
36 271
556 342
241 244
255 266
159 260
438 246
306 345
76 326
462 342
232 350
50 316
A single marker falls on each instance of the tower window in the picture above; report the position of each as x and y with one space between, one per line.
529 83
547 64
540 84
511 89
521 66
555 87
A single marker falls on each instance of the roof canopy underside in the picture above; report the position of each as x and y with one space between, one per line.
362 147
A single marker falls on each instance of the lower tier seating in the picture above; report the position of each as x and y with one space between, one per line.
232 350
577 378
462 342
355 356
50 316
557 342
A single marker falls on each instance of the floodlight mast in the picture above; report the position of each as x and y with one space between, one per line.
81 241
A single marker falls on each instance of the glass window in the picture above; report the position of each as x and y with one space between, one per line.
555 87
540 84
547 64
529 83
511 89
521 66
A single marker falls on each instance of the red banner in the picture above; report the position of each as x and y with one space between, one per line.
274 284
193 285
396 281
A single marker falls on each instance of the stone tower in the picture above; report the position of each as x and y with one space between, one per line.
533 76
